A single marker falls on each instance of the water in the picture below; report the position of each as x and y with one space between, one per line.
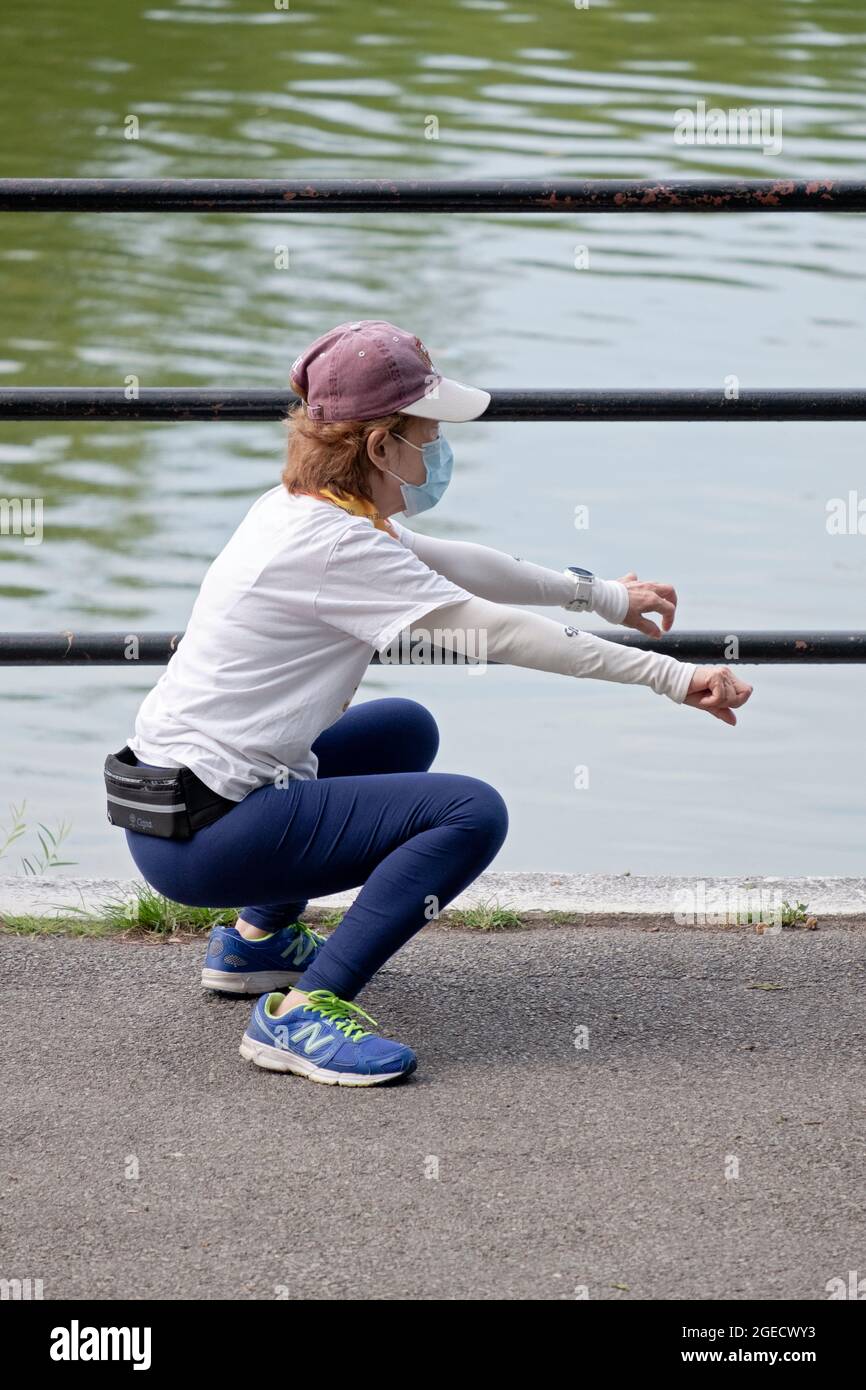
734 514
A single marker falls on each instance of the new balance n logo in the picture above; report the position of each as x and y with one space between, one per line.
299 950
312 1032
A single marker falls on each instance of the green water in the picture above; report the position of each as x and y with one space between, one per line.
734 514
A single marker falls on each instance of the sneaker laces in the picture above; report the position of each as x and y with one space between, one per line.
339 1012
311 938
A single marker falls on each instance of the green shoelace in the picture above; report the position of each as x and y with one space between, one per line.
339 1012
313 938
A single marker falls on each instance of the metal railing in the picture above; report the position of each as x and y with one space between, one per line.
292 196
432 195
156 648
192 403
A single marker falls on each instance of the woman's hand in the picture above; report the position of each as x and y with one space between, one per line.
718 691
646 596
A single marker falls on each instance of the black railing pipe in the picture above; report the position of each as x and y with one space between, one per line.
432 195
155 648
191 403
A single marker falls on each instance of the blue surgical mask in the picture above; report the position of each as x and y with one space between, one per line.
438 459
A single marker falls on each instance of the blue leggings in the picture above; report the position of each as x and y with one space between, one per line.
373 816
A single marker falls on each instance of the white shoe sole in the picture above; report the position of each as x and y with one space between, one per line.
257 982
278 1059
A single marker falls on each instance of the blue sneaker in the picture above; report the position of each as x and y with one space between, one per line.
323 1041
235 965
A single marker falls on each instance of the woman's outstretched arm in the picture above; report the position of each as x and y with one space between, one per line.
503 578
493 632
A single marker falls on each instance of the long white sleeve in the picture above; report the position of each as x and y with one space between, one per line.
505 579
494 632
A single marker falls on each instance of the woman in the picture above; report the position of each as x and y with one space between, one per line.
249 780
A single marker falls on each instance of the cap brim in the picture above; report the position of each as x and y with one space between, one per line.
449 401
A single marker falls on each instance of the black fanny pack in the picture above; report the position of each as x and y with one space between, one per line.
170 802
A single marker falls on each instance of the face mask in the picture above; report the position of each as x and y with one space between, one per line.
438 459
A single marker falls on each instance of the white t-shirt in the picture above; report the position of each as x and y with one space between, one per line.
282 631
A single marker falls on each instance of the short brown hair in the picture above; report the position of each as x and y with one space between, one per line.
331 454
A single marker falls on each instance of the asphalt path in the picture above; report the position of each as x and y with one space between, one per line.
613 1112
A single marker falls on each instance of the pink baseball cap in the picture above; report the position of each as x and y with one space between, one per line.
361 370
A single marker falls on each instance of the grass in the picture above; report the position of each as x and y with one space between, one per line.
61 925
143 912
485 917
148 913
796 915
49 841
791 915
330 920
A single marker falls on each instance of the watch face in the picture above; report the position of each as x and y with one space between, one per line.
575 569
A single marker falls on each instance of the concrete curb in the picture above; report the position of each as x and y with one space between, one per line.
621 894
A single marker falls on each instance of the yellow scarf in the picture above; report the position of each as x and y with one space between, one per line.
357 506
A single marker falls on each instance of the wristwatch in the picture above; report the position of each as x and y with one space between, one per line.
583 582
